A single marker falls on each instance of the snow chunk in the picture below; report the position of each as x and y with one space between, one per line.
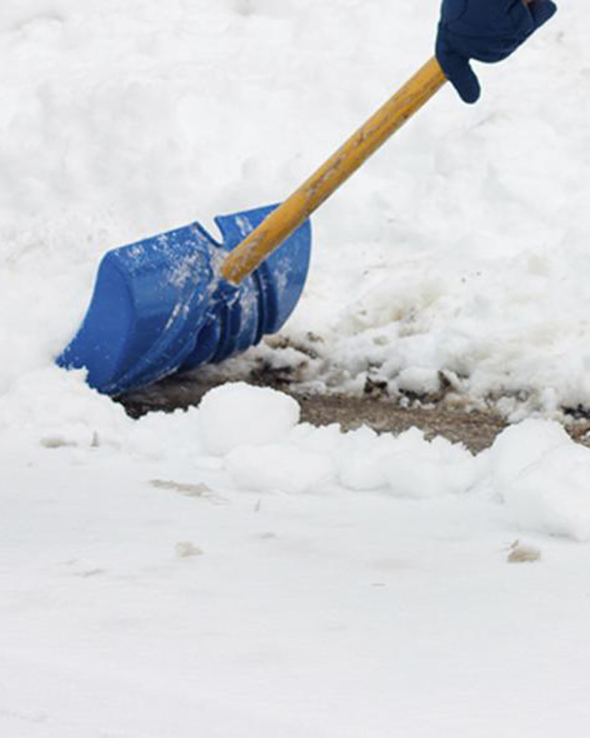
238 414
423 469
419 380
544 478
279 468
57 409
364 455
408 465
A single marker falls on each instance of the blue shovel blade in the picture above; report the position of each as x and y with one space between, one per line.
158 305
145 296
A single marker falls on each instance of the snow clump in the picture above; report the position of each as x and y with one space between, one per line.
237 414
534 469
543 477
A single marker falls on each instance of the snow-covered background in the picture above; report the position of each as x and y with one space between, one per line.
462 247
230 571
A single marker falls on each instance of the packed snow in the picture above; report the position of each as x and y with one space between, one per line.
231 571
183 574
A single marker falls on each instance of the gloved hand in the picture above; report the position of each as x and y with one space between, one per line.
486 30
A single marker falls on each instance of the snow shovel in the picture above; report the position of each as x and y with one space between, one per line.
180 299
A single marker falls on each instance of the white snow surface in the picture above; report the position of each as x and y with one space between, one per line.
230 571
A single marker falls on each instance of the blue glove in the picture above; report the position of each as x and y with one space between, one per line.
486 30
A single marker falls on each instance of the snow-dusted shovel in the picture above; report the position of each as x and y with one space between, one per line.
179 299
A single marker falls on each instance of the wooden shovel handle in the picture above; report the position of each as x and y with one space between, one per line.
282 222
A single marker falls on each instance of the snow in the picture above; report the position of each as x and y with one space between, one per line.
460 248
230 570
235 414
532 465
314 583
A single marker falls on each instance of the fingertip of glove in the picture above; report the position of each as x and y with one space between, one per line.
456 68
469 96
542 11
460 74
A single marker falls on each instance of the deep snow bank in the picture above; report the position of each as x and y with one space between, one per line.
462 247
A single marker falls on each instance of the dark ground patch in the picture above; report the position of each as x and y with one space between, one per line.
452 419
474 428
